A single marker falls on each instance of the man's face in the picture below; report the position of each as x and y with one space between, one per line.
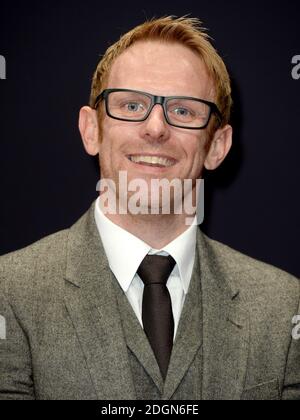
165 69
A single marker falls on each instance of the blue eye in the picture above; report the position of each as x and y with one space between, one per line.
134 107
182 112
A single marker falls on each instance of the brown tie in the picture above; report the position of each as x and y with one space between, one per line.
157 313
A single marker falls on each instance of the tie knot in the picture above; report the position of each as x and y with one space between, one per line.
156 269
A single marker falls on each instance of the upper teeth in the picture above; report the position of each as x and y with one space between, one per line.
152 159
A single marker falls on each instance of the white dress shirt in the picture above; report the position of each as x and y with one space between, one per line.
125 252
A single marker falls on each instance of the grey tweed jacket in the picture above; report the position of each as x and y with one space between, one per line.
61 334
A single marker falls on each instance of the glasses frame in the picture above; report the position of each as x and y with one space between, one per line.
157 100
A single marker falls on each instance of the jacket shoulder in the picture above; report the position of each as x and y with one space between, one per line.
251 274
18 269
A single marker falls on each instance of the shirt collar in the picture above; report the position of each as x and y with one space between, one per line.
125 252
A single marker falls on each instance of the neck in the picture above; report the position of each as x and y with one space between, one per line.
155 230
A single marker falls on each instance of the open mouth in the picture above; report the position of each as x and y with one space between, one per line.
154 161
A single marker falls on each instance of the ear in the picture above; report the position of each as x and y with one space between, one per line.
219 148
89 130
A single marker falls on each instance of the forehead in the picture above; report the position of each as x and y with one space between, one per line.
161 68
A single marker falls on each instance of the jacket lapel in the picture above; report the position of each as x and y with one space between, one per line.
189 336
92 306
137 341
225 328
224 332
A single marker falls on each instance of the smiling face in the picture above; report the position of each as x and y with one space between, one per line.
166 70
162 69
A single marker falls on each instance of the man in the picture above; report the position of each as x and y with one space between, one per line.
133 304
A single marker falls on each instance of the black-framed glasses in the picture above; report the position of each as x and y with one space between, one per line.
179 111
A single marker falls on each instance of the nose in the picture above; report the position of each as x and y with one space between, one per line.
156 127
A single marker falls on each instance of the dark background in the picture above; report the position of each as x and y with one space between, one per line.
47 181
